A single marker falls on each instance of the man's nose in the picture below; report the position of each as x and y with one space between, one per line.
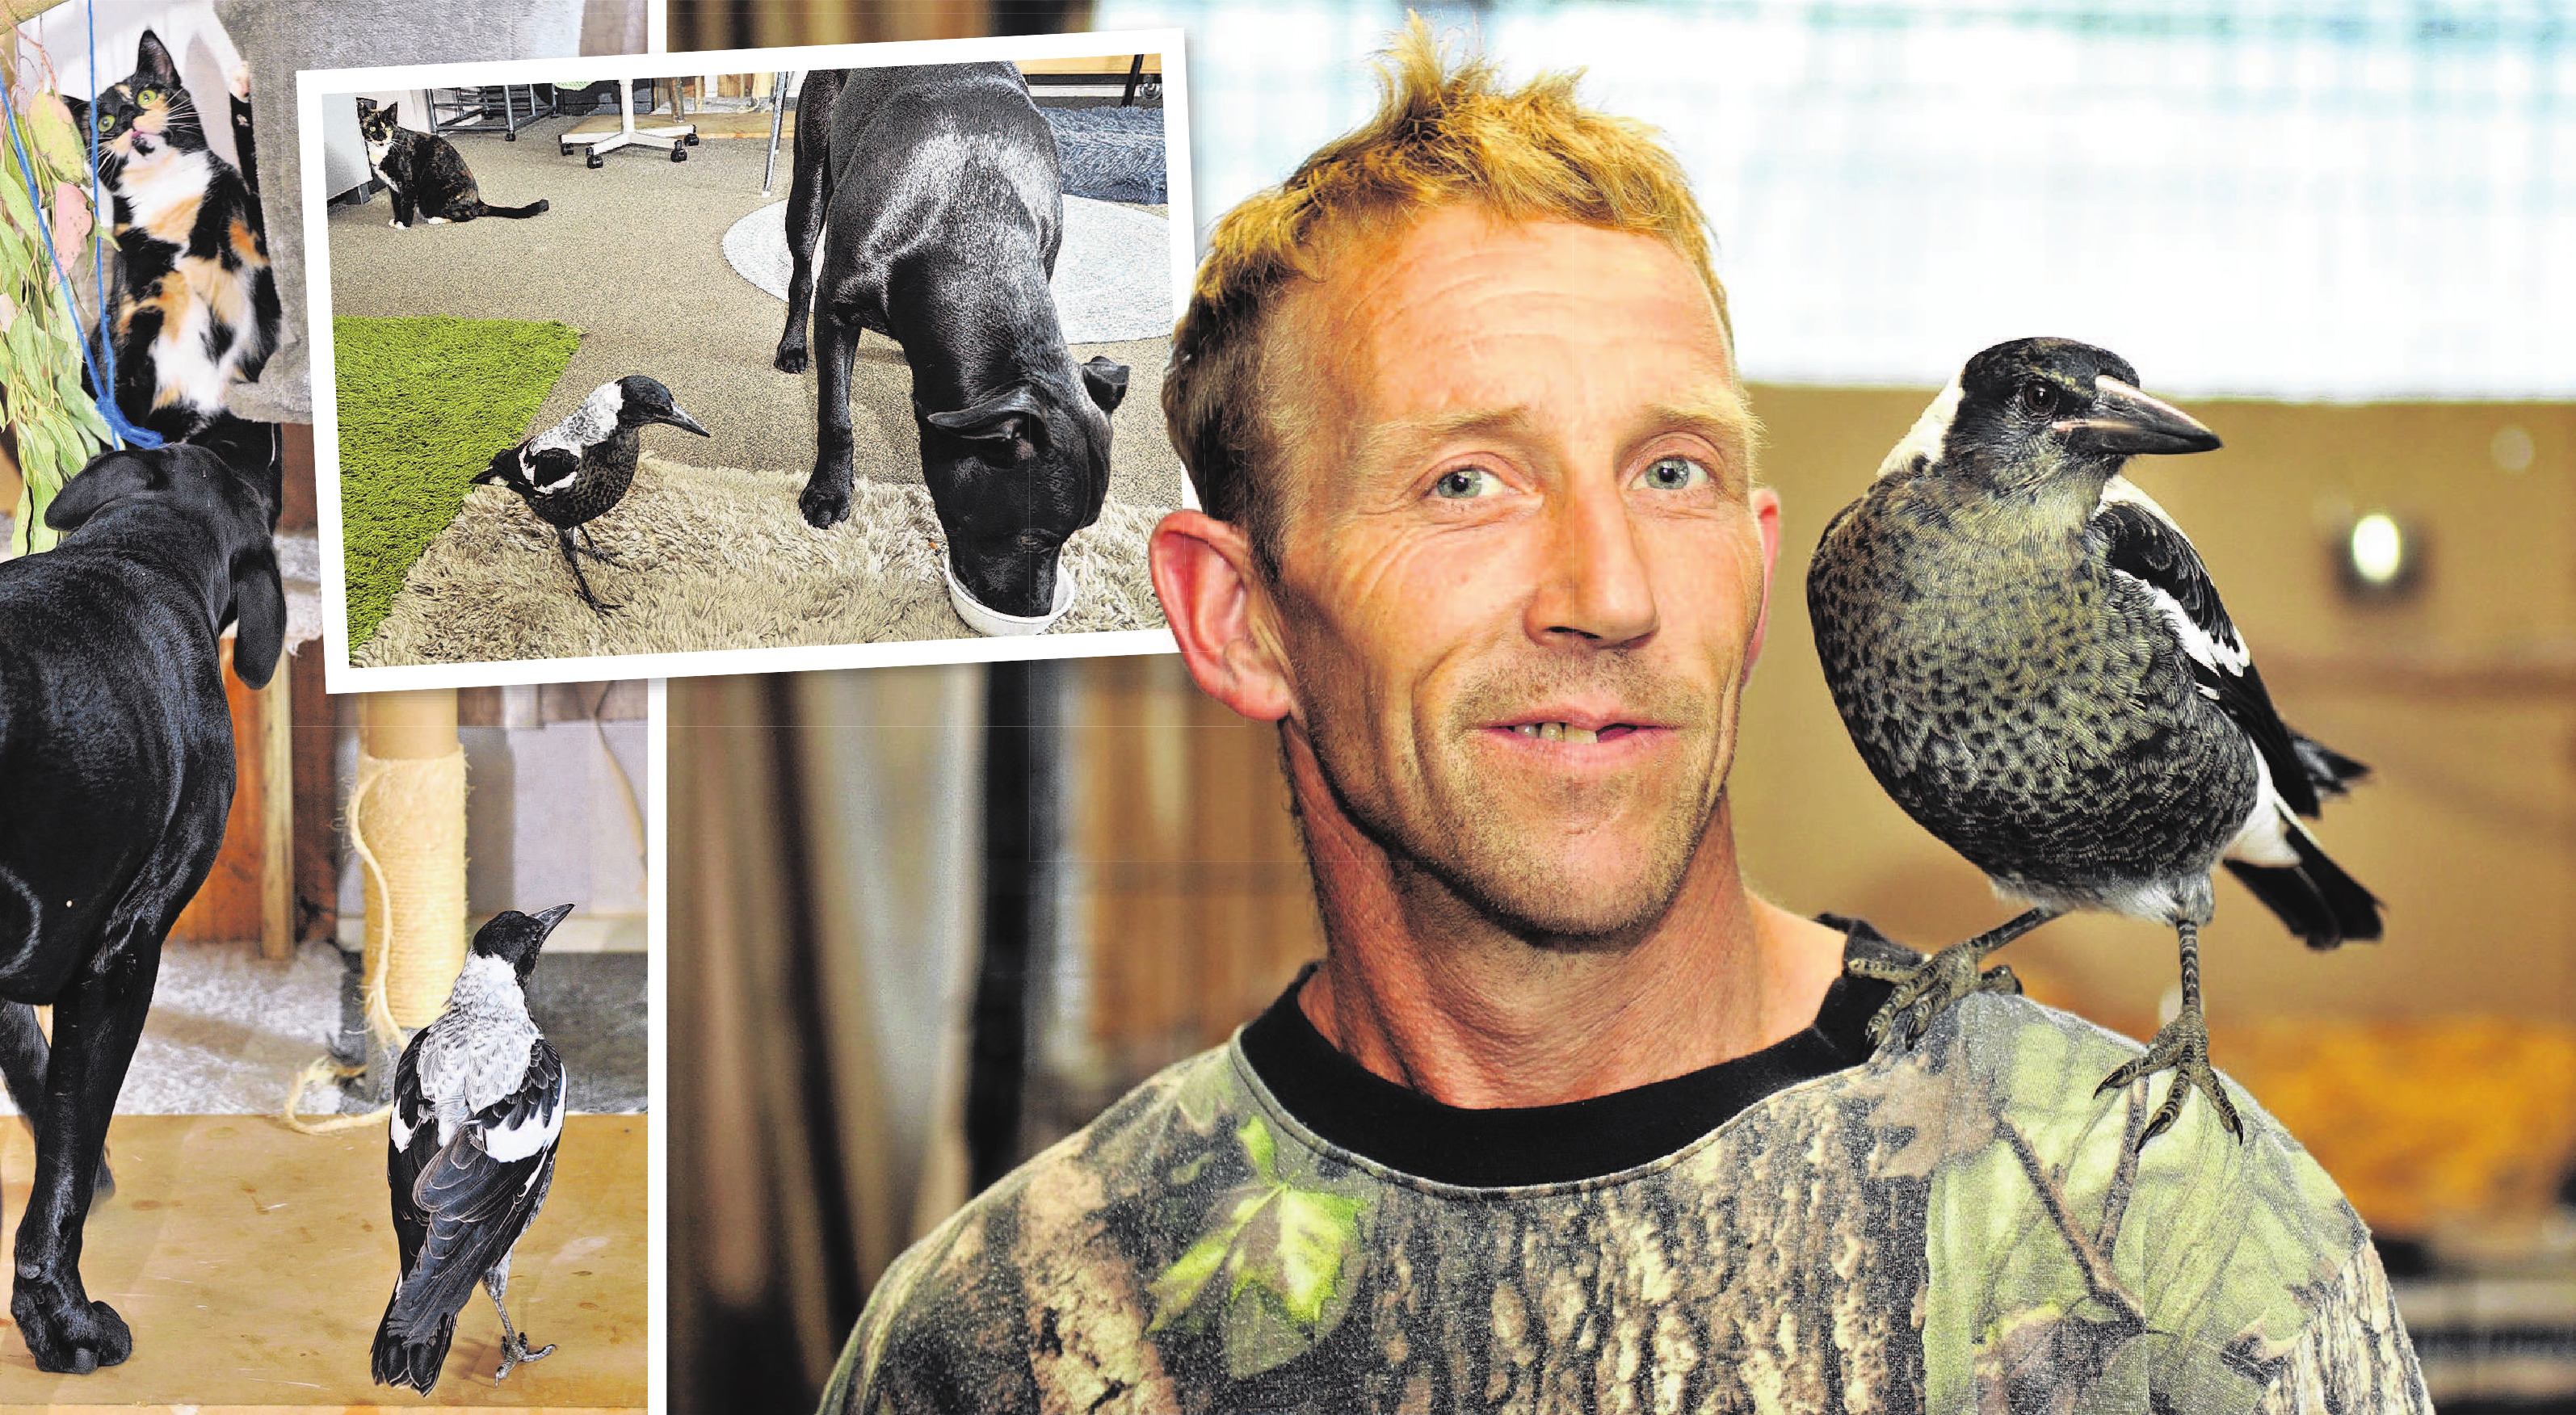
1593 586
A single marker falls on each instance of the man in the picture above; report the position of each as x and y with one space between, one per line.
1568 1119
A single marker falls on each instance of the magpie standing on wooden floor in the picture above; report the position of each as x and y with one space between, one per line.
478 1111
2032 660
578 470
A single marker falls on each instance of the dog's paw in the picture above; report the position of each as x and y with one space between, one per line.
791 359
73 1337
825 505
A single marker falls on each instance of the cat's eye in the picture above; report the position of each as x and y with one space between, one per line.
149 95
106 121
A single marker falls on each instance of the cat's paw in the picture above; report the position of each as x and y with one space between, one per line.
438 221
239 80
397 225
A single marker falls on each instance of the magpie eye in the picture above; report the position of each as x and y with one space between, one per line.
2036 398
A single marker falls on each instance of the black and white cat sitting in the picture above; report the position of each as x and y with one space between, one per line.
425 172
195 303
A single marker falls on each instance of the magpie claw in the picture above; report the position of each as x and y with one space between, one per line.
1928 989
2182 1047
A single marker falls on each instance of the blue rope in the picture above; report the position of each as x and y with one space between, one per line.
106 398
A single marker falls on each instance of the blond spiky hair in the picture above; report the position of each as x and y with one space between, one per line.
1441 137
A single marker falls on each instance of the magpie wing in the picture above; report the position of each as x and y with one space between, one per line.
481 1189
2143 543
411 1138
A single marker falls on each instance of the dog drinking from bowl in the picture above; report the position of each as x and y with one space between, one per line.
116 757
937 196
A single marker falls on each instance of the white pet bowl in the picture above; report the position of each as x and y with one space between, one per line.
995 622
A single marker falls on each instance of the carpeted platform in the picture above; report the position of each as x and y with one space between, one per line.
718 558
424 403
1113 275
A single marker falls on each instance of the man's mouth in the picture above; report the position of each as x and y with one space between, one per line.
1568 732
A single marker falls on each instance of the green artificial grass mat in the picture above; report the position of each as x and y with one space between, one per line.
424 403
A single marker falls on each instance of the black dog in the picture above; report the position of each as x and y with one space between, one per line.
945 202
116 747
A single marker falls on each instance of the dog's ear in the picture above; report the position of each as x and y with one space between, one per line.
259 614
1017 413
108 476
1106 382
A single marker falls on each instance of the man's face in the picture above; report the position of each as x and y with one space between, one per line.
1524 569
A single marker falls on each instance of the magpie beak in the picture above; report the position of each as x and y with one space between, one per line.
676 418
2126 421
551 917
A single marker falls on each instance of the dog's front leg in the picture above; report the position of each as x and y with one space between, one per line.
97 1020
826 500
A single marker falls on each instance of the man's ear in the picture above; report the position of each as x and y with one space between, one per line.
1766 515
1205 575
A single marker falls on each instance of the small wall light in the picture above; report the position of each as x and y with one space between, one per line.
2382 556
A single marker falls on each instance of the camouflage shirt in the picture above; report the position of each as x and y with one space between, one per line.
1962 1225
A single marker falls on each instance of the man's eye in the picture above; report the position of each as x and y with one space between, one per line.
1465 483
1675 474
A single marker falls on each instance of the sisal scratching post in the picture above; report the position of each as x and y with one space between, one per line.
406 817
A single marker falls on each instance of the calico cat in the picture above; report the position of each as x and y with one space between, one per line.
194 304
425 173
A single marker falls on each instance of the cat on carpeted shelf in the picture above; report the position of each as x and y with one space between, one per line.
426 174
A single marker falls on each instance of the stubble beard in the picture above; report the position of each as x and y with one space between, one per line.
1484 852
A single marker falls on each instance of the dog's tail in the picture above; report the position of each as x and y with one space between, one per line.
515 212
411 1358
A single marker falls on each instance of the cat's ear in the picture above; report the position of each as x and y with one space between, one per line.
393 113
80 113
153 61
366 105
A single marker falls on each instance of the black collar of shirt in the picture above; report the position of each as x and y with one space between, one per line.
1357 1110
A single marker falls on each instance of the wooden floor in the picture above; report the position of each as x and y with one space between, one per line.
252 1264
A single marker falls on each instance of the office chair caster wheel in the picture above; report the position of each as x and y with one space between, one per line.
691 140
679 154
563 149
509 137
597 161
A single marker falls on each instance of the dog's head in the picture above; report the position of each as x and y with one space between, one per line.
243 586
1015 475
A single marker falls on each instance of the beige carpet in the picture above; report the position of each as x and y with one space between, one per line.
718 558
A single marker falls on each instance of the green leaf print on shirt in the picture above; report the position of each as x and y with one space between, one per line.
1268 1270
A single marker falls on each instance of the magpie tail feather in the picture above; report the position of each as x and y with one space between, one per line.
412 1360
2315 897
2330 771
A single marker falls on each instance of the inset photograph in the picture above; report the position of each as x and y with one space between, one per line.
384 1129
856 360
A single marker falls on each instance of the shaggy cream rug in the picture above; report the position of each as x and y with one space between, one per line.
718 558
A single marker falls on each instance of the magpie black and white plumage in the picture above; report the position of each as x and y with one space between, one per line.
2032 660
478 1111
578 470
